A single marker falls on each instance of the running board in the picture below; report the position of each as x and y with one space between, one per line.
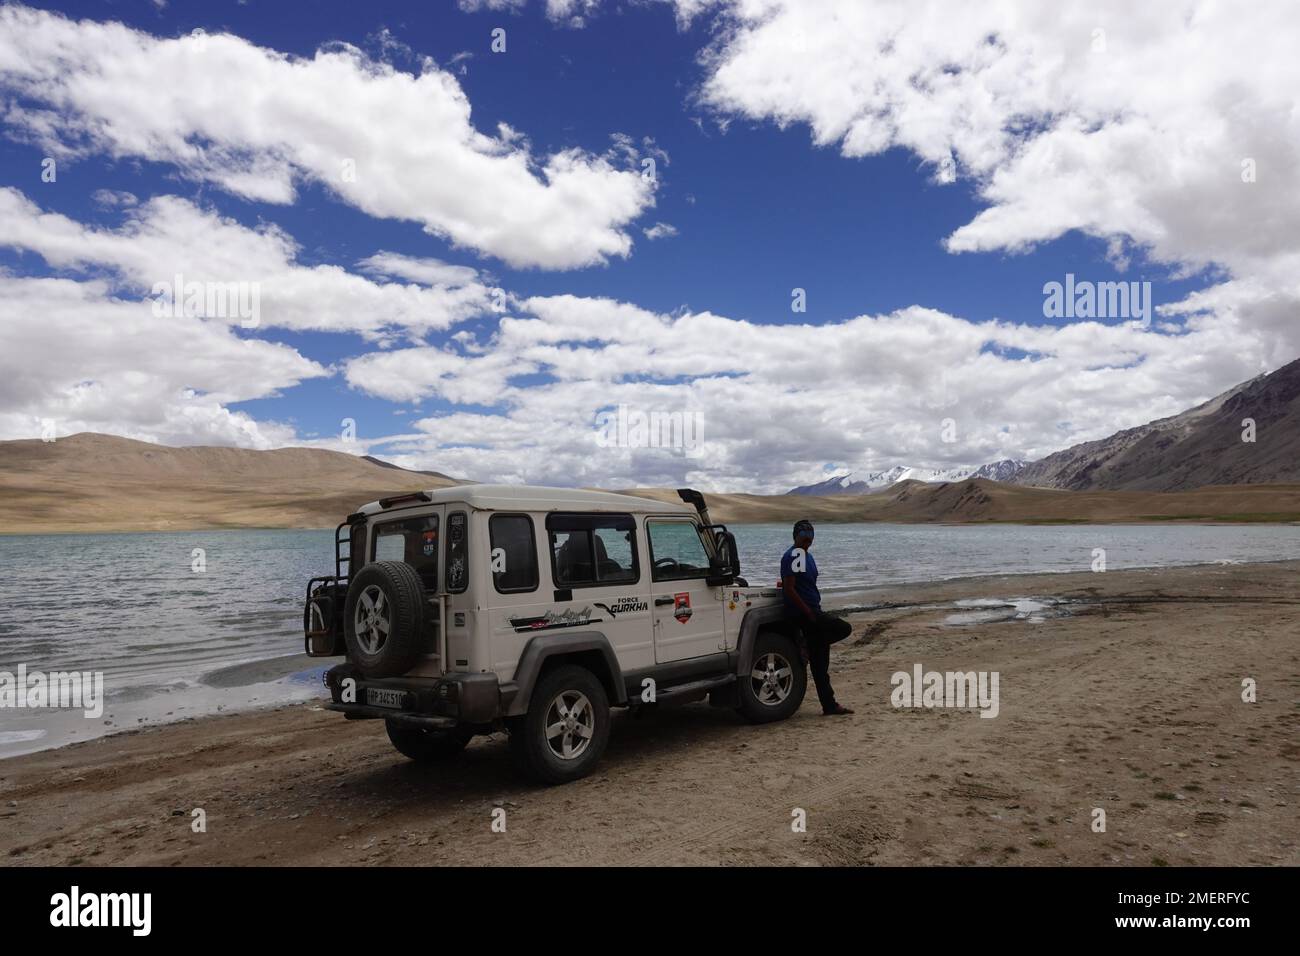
693 688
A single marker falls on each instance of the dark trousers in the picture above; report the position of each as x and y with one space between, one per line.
818 636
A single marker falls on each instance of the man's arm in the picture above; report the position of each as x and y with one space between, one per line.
787 585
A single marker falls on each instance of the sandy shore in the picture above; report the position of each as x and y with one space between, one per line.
1129 701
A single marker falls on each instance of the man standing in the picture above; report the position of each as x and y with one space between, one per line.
803 608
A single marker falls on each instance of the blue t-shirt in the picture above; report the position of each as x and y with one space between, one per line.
805 581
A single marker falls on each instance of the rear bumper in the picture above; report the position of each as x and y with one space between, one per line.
363 712
425 701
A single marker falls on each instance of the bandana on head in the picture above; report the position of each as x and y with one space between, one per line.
803 527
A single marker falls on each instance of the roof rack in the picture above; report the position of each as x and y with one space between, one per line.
387 503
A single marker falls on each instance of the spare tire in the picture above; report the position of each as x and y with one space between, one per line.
385 619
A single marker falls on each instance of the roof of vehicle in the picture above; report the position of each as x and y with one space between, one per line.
535 498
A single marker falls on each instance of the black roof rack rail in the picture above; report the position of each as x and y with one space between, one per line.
401 499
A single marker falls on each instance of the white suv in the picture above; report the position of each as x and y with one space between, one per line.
478 608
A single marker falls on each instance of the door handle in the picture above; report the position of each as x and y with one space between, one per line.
660 602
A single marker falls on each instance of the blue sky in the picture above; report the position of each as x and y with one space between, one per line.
762 176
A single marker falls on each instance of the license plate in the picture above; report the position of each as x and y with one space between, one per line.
382 697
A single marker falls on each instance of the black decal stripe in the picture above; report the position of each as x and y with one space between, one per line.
521 624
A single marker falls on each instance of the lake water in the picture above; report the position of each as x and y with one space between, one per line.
853 556
131 606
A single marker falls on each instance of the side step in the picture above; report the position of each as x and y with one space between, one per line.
694 688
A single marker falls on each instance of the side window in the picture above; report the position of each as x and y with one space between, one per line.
616 546
592 550
676 551
514 553
457 552
571 553
413 540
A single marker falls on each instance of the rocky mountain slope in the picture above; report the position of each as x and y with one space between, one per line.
1202 446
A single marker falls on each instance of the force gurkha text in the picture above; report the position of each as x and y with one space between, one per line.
482 608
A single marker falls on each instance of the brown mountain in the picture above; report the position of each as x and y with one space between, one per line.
982 500
91 482
1199 447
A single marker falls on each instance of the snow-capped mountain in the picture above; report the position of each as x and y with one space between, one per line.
1003 470
851 484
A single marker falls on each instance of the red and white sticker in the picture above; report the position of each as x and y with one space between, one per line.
682 607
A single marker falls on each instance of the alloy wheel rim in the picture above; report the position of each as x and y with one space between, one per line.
772 679
371 620
570 724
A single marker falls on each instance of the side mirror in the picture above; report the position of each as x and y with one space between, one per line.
724 566
719 572
728 551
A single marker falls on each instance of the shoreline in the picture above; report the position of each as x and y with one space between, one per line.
293 679
1131 702
979 579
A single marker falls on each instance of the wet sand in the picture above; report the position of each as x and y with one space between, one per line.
1119 691
234 688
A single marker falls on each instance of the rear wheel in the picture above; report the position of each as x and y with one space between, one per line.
425 745
774 685
565 731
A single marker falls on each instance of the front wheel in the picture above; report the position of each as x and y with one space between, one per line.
773 686
425 745
565 731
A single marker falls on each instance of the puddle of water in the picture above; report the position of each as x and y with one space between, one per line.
20 736
993 610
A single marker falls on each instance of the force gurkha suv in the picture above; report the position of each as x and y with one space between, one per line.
479 608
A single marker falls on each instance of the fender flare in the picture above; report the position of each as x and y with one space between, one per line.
541 648
754 619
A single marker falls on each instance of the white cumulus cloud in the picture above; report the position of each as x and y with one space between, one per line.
169 236
74 354
776 402
1170 125
255 122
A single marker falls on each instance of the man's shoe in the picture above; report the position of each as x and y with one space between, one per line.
836 711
